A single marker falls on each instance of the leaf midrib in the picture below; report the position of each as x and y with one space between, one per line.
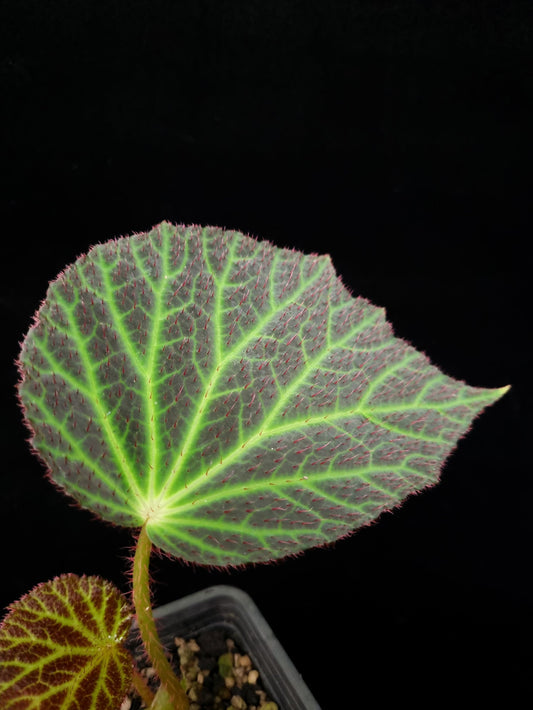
261 428
365 413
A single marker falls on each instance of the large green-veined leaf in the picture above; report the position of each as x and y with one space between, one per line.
61 647
232 394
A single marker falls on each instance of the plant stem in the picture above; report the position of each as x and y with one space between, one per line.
141 686
147 628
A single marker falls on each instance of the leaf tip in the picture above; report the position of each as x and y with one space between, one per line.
499 392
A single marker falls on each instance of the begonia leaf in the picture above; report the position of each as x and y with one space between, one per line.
61 647
231 394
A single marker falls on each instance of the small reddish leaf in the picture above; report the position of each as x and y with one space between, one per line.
60 647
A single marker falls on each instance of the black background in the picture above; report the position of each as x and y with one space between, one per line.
397 137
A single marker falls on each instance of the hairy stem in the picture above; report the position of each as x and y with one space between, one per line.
147 628
141 686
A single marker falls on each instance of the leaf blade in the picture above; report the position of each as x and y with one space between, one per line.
233 395
60 647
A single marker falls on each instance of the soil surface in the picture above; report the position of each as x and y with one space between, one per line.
219 675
